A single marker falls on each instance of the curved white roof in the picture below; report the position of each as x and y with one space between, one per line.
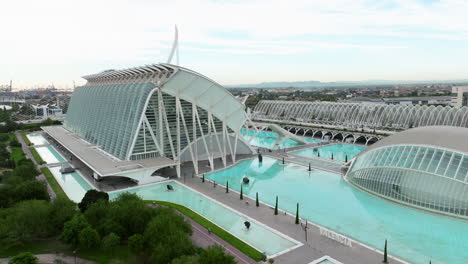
187 84
448 137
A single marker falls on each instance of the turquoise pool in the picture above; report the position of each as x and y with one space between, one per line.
312 140
49 155
266 139
340 151
326 199
259 236
37 139
73 184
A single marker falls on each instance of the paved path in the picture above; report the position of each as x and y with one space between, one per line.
50 258
316 245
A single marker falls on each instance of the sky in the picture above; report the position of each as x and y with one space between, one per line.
235 41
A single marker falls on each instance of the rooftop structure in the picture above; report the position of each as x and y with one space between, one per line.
424 167
157 115
358 115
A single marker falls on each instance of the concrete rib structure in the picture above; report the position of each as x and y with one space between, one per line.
355 115
155 114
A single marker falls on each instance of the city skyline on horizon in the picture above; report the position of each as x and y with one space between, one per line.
57 42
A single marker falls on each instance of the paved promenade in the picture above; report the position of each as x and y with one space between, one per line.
317 244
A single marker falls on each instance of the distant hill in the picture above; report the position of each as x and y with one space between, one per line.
316 84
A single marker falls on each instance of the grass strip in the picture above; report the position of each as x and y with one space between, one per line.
26 139
226 236
54 184
36 155
17 154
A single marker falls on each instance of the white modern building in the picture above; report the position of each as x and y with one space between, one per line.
133 122
424 167
459 96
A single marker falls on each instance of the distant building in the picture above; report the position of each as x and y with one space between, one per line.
459 96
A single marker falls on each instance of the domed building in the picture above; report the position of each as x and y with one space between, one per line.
424 167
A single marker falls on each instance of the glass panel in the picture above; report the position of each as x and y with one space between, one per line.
404 155
426 160
452 168
419 157
435 160
463 169
444 163
411 155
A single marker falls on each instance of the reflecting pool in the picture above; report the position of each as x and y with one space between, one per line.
341 152
258 236
326 199
73 184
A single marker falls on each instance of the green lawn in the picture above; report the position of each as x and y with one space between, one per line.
17 154
120 254
36 155
53 183
234 241
26 139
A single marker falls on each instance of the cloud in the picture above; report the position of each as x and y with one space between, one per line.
120 32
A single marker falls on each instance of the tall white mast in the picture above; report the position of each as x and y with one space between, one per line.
175 48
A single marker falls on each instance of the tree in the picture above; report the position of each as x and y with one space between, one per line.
24 258
88 238
214 255
385 260
24 222
185 260
91 197
167 236
110 242
276 206
31 190
297 214
61 211
136 243
72 229
128 215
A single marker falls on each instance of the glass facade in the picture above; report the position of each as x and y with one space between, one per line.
422 176
108 115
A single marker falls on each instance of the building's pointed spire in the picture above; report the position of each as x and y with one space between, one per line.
175 47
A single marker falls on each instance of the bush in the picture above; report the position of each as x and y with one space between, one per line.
215 254
15 143
72 230
24 258
89 238
110 242
136 243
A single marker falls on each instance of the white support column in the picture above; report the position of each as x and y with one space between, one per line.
168 131
181 113
148 125
235 147
178 136
208 153
194 129
160 113
229 142
223 156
